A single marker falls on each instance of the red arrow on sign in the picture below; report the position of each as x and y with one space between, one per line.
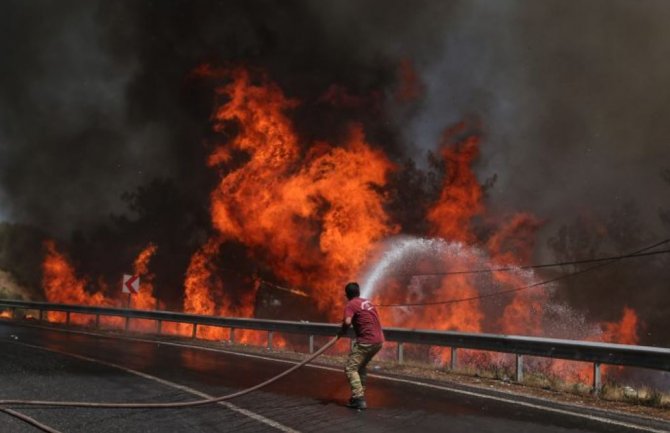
129 286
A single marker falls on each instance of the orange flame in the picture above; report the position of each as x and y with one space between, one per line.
625 331
314 212
145 299
198 288
203 289
199 281
459 202
62 285
461 195
512 244
316 216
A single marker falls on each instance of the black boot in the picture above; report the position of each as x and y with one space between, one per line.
357 403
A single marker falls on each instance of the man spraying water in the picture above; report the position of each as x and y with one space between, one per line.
360 313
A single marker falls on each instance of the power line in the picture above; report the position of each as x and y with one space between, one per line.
518 289
539 266
284 289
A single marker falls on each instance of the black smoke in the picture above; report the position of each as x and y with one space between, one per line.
104 130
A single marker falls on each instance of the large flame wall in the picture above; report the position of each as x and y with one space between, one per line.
315 214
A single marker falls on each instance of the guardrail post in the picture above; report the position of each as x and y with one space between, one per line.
597 379
12 311
269 339
127 324
401 354
41 315
159 326
454 359
97 321
519 368
311 344
232 335
194 331
67 318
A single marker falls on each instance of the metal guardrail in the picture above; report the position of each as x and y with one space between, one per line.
596 353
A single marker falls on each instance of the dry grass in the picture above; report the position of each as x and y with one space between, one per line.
645 396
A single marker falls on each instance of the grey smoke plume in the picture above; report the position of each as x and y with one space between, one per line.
66 149
573 96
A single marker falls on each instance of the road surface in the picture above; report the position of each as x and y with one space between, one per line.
37 363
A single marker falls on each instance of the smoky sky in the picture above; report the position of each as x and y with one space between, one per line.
574 97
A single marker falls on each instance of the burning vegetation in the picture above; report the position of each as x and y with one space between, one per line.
313 215
393 143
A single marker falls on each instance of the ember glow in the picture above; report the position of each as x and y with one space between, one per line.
315 215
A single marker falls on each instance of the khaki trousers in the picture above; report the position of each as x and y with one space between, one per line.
355 366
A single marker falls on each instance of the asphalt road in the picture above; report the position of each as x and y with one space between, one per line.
310 400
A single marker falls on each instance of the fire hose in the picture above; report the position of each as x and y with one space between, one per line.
111 405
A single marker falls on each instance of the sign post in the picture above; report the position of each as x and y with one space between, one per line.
131 286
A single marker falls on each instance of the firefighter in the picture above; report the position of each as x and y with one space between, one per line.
360 313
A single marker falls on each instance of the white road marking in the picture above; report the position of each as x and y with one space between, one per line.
258 417
392 379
